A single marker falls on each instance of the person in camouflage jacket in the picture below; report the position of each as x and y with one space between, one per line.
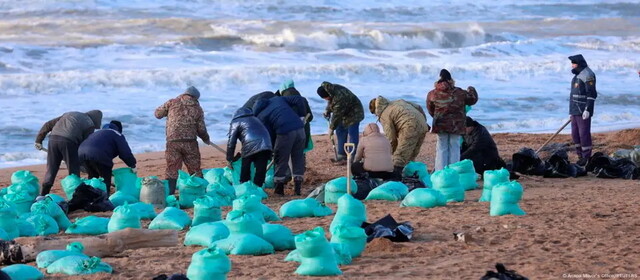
345 112
185 122
405 125
446 104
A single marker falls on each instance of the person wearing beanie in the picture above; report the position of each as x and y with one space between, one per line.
582 99
344 112
101 147
405 125
66 133
288 89
446 104
185 123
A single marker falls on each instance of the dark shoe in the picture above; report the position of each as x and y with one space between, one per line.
279 188
397 173
582 162
298 185
172 186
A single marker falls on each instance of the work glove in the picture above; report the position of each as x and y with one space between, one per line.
38 146
586 115
134 170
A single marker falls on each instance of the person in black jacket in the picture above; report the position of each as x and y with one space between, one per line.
101 147
282 116
288 89
256 145
253 99
479 147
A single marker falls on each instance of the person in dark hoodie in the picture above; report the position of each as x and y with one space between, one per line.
479 147
288 89
253 99
185 122
101 147
582 99
66 133
282 116
256 145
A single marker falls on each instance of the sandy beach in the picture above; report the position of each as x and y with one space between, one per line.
573 226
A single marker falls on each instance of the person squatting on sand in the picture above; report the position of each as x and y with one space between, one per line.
256 145
581 102
282 116
67 132
373 155
445 104
185 122
101 147
345 112
479 147
405 125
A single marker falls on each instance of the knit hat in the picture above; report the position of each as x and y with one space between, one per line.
286 85
193 91
445 75
372 106
322 92
118 125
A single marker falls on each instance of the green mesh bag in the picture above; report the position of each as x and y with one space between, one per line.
447 182
337 187
45 258
79 265
425 198
205 234
206 209
317 257
467 174
351 213
245 236
124 217
171 218
354 237
505 198
90 225
416 168
279 236
391 191
209 264
491 179
301 208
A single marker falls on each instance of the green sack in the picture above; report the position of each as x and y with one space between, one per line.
209 264
46 258
21 201
249 188
279 236
425 198
23 272
505 198
126 181
97 183
56 198
268 179
341 252
48 207
4 236
121 198
446 181
251 204
172 201
354 237
301 208
215 176
124 216
245 236
69 185
206 209
145 210
25 228
79 265
190 187
317 257
205 234
233 176
171 218
8 220
25 177
493 178
466 172
43 224
416 168
351 213
224 194
337 187
90 225
391 191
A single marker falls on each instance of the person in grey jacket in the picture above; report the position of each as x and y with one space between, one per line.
256 145
65 135
581 104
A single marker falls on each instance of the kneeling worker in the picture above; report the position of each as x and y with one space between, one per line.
373 155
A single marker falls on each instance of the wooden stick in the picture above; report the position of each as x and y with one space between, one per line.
554 135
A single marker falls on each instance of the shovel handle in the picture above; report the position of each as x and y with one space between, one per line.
348 149
554 135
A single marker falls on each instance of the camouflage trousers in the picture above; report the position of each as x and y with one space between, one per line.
409 143
179 152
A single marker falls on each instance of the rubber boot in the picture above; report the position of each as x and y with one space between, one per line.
279 188
172 186
297 185
397 173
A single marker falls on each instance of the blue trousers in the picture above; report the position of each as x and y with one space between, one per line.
352 132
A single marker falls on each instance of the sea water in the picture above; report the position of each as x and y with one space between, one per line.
127 57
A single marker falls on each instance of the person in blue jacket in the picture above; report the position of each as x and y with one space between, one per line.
256 145
282 116
100 148
582 100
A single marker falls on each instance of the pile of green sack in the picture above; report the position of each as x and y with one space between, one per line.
71 261
466 174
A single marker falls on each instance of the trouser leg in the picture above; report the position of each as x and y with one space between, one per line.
54 158
260 163
191 153
341 135
297 154
173 156
245 169
575 134
454 148
105 173
585 137
354 134
70 155
282 152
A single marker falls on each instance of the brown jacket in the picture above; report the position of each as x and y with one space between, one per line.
375 150
185 119
446 105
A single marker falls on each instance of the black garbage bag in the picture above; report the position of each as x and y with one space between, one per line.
502 274
90 199
387 227
559 166
64 206
605 167
365 185
4 276
413 181
527 162
172 277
